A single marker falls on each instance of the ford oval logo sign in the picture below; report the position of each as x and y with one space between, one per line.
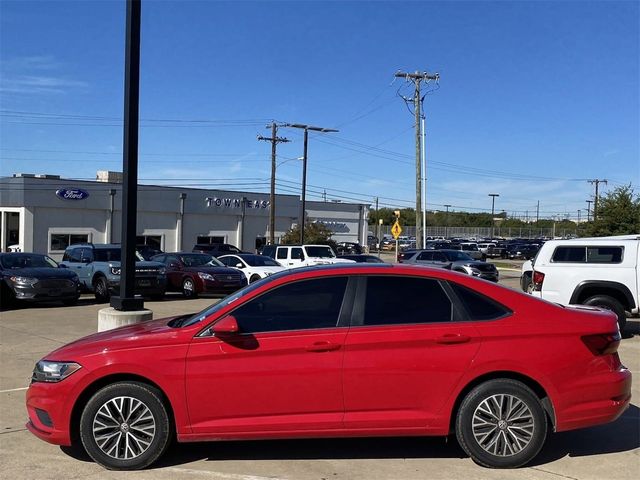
72 193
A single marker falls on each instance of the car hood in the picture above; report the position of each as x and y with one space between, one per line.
139 335
43 272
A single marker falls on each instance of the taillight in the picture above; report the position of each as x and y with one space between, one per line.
538 278
603 343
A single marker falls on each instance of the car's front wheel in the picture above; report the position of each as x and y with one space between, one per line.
254 278
125 426
501 424
101 290
189 288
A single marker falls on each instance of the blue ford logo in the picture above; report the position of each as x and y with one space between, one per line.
72 193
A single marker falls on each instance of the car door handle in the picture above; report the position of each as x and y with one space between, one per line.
451 338
323 347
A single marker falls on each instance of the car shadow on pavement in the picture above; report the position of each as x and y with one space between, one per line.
622 435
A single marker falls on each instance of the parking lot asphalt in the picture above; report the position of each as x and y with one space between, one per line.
26 334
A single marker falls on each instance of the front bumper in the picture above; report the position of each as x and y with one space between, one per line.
143 286
54 399
38 293
216 286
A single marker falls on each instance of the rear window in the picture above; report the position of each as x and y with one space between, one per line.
584 254
477 305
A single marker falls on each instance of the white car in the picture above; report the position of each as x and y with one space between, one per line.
293 256
600 272
253 266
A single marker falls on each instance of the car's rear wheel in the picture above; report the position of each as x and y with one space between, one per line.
189 288
254 278
609 303
125 426
101 290
501 424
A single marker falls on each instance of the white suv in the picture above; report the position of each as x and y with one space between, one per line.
292 256
602 272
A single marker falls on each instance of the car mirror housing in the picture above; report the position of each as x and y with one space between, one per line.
226 326
239 265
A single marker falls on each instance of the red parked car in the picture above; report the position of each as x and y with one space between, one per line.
361 350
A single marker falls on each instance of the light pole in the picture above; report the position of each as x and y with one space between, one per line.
306 129
589 202
446 223
493 204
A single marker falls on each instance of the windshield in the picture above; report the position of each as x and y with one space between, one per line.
199 259
320 252
457 256
216 307
260 261
112 255
11 262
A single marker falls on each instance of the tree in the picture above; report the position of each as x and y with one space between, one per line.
618 214
314 233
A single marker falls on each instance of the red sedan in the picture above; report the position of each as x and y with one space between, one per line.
361 350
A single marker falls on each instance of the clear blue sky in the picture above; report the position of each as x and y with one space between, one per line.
534 97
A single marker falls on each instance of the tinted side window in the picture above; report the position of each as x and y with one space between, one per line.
75 255
477 305
282 254
397 300
604 254
228 261
297 306
297 253
569 254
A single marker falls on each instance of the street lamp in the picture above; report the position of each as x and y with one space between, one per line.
306 129
446 223
493 203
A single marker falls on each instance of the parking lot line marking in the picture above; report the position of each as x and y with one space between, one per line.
14 389
218 475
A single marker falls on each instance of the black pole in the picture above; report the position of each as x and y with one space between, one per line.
126 301
304 185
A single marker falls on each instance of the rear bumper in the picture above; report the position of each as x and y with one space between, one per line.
598 399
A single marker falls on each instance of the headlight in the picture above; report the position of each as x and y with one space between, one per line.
115 270
53 372
205 276
24 280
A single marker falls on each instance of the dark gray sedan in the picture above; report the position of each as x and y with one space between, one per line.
36 278
455 260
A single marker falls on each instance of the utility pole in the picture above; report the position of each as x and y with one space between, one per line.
275 140
579 216
377 227
446 222
306 129
493 203
596 182
589 202
538 213
417 78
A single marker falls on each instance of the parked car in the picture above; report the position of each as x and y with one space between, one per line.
216 249
254 267
362 258
471 249
292 256
316 352
32 277
602 272
147 252
98 268
457 261
522 251
196 273
343 248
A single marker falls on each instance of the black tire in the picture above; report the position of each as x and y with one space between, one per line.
609 303
189 288
529 424
526 282
101 290
158 423
254 278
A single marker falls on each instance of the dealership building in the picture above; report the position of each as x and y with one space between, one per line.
46 213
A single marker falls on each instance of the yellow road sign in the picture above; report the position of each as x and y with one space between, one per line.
396 230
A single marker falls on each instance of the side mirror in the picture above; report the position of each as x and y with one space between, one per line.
239 265
175 265
226 326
